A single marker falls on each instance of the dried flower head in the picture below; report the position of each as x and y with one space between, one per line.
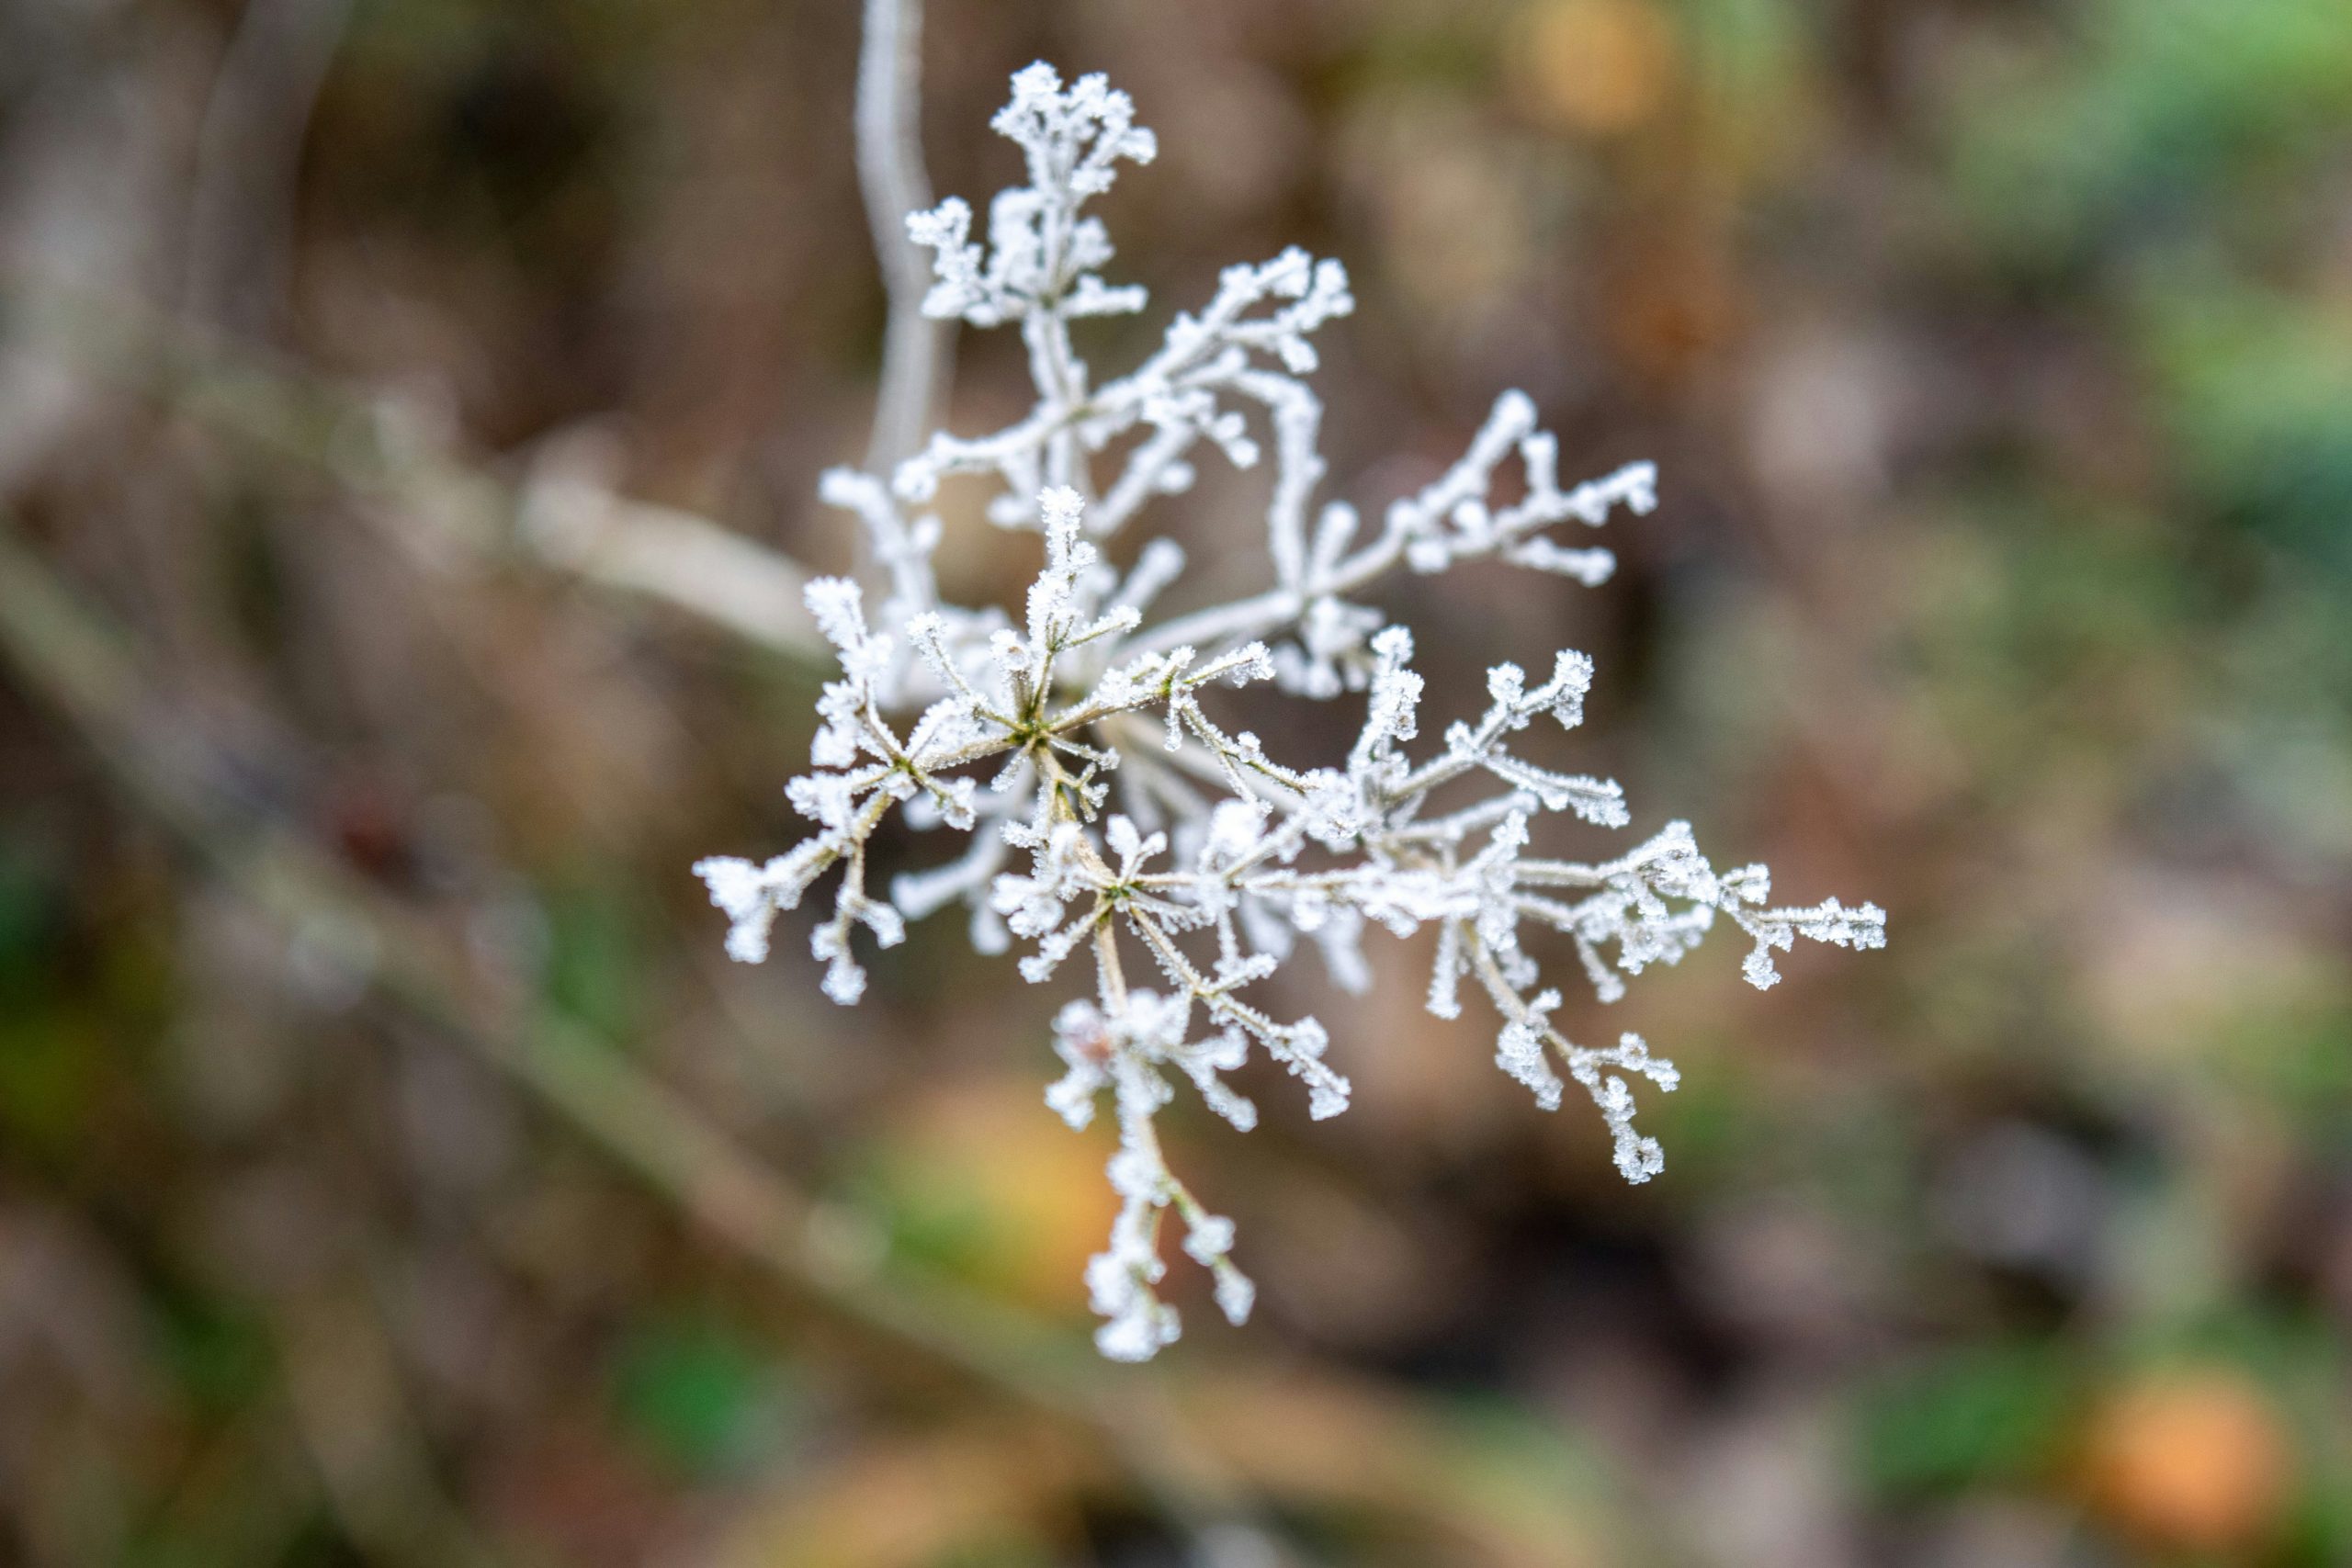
1214 858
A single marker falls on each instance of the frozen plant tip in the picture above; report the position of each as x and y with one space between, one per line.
1114 814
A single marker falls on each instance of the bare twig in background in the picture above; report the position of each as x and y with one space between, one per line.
573 518
915 349
401 460
248 156
92 169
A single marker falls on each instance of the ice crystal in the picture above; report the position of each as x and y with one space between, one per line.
1219 856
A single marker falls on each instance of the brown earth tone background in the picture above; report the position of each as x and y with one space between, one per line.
394 1171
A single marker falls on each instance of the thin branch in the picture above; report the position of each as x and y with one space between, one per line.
916 350
573 520
562 512
248 156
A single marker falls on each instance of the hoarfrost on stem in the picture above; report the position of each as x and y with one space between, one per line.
1215 858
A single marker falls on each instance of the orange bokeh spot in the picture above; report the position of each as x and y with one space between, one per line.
1596 67
2192 1460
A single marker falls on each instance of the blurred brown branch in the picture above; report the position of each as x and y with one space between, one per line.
248 155
393 455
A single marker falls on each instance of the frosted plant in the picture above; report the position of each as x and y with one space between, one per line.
1214 858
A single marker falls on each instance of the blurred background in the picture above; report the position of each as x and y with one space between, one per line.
393 1170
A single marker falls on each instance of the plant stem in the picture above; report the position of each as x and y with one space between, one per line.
916 350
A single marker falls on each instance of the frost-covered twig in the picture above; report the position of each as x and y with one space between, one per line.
1217 857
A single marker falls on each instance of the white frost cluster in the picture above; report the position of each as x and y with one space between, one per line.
1215 858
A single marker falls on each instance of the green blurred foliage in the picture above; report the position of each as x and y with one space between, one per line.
1988 1416
710 1402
